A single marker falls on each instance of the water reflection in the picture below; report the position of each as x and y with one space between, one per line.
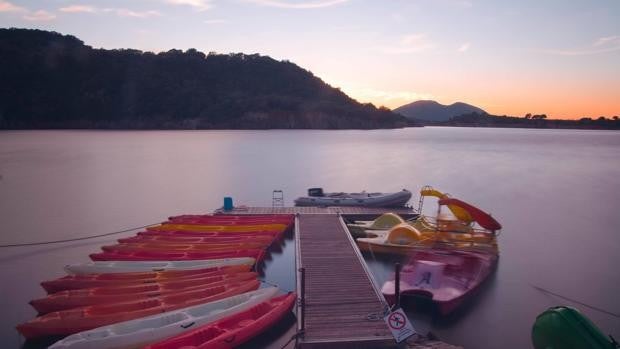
555 192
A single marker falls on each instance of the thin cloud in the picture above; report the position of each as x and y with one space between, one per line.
464 47
6 6
390 98
123 12
600 45
200 5
606 41
298 5
411 43
40 15
78 9
215 21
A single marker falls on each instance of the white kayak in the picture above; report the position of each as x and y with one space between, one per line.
140 332
316 197
105 267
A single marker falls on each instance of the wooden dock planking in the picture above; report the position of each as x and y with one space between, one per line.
343 308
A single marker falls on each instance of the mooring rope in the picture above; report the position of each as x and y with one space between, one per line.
78 239
576 301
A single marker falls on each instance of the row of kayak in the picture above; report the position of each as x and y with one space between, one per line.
446 257
186 282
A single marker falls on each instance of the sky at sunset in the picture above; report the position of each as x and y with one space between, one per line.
556 57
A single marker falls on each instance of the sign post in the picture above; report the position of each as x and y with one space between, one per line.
399 325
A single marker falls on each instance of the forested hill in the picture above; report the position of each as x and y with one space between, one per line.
431 111
55 81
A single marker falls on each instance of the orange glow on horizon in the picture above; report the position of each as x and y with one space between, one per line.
561 103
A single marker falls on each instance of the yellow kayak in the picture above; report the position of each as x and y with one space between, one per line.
219 228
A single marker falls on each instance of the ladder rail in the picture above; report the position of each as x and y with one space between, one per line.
277 198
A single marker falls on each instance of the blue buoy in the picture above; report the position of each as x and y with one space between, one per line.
228 203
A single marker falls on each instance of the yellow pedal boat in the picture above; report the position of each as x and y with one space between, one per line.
441 233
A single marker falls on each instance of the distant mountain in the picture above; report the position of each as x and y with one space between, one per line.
51 80
433 111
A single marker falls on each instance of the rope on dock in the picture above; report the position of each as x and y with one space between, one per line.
80 238
577 302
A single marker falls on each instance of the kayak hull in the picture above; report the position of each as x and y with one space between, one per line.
81 319
174 255
130 292
233 330
108 267
143 331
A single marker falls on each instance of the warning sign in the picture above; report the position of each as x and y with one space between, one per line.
399 325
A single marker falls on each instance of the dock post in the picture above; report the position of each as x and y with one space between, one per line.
302 299
397 285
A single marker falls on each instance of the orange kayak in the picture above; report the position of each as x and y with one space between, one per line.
138 255
164 246
232 219
116 294
81 319
233 330
74 282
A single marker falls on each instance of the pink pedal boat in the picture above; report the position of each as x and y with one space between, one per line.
447 277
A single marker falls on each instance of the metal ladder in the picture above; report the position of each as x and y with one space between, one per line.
277 198
421 201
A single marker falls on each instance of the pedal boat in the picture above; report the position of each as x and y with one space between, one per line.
448 278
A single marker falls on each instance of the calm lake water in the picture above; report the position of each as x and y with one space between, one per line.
556 192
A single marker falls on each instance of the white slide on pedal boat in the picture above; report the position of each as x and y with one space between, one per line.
106 267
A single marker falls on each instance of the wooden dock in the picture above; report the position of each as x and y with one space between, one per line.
342 307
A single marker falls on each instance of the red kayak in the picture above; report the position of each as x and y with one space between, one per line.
447 277
117 294
75 282
178 247
174 256
233 330
238 234
230 228
266 240
81 319
231 216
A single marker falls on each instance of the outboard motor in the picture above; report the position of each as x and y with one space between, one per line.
316 192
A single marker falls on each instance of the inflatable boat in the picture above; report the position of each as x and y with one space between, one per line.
316 197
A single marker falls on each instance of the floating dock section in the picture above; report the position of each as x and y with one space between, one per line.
339 304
